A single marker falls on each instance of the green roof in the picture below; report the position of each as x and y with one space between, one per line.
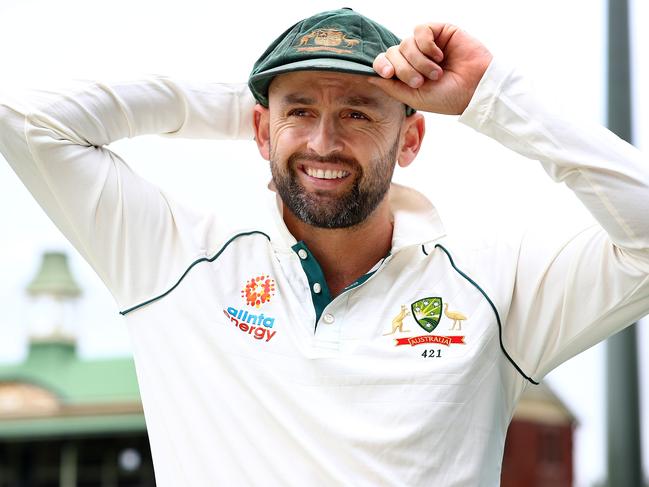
89 396
56 367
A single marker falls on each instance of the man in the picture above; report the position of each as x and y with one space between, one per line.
342 339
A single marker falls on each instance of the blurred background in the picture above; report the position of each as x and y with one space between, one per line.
86 419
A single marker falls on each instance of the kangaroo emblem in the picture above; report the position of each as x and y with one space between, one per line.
397 321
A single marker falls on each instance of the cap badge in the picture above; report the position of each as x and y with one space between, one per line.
327 40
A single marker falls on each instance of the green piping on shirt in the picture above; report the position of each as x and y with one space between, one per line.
202 259
493 307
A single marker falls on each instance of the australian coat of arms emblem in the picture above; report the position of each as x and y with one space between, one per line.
333 40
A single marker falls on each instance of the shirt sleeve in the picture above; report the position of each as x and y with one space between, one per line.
134 236
569 296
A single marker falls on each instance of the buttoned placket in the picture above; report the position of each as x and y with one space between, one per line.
329 313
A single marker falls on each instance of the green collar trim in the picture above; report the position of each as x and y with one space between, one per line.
359 281
365 277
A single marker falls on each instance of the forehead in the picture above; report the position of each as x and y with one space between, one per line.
317 87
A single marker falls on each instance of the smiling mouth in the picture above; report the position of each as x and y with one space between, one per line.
325 173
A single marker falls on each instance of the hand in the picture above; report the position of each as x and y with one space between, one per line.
437 69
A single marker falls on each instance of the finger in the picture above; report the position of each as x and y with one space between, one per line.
394 88
382 66
418 60
425 40
403 69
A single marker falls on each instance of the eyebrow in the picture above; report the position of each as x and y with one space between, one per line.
295 99
360 101
353 100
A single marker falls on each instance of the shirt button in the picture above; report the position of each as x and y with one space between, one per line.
317 288
328 318
302 253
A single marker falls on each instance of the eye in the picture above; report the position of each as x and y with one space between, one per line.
298 112
358 116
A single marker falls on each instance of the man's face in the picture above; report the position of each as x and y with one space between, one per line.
334 140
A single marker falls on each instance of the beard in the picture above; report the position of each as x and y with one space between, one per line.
321 209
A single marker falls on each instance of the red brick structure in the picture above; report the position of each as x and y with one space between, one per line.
538 449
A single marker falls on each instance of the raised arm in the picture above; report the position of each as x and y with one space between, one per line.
123 225
571 294
565 296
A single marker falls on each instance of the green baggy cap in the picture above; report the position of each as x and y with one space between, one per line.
337 40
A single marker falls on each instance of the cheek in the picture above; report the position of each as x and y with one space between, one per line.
376 146
376 135
285 134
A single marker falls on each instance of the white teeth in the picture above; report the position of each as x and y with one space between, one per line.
328 174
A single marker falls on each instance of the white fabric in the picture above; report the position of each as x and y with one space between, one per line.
274 402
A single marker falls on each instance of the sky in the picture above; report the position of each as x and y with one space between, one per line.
476 186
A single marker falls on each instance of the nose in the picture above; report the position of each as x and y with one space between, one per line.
325 137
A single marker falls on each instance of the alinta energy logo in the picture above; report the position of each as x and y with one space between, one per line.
257 292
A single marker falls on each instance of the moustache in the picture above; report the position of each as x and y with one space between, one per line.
339 159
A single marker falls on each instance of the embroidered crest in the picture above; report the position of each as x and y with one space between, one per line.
327 40
427 312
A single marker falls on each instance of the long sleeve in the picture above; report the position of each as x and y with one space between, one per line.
567 297
123 225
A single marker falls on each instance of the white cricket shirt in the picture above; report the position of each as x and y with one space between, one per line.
250 373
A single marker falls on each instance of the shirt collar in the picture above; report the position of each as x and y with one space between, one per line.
416 220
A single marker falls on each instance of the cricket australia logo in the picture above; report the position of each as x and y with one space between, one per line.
427 312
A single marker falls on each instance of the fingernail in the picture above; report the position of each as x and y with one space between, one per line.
385 71
434 75
414 82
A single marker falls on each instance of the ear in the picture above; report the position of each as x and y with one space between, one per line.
261 121
412 134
